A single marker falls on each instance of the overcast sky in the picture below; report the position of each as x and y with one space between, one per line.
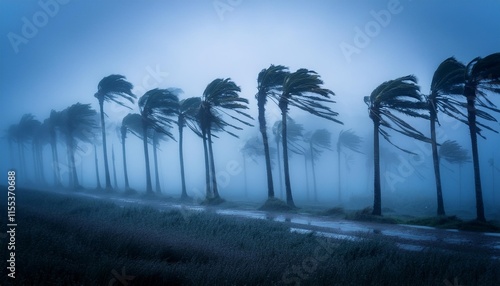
53 54
187 44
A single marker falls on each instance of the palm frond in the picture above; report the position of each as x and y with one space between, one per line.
115 88
453 152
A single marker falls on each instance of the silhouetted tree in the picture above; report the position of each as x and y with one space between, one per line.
132 123
294 135
252 149
401 95
158 108
116 89
318 141
78 124
187 113
269 84
350 140
302 89
452 152
220 97
446 82
54 122
482 76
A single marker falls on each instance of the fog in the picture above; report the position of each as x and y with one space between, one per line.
53 54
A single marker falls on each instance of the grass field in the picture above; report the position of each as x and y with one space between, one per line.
62 240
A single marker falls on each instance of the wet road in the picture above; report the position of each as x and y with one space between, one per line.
407 237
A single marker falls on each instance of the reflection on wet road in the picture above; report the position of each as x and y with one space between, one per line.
407 237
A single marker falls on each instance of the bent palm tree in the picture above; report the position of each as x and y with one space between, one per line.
452 152
156 137
219 98
132 123
350 140
447 81
157 108
24 134
302 89
78 125
318 141
252 149
188 109
112 88
54 122
402 95
482 75
294 135
269 82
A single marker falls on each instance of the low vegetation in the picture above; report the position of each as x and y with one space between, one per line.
68 241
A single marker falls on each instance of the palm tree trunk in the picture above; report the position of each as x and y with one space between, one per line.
288 187
435 159
339 178
208 189
181 159
307 176
377 199
245 176
279 168
71 153
125 173
460 185
55 160
97 169
35 163
155 156
104 148
471 116
149 188
212 165
20 146
314 174
42 173
114 166
265 141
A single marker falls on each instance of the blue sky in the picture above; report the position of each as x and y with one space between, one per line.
187 44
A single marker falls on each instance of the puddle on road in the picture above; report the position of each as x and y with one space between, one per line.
456 240
410 247
407 236
247 214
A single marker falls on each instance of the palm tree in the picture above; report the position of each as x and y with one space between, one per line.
187 112
482 75
446 82
114 167
350 140
401 95
452 152
269 83
78 125
318 141
40 139
219 98
157 108
112 88
302 89
54 122
156 137
294 135
24 134
132 123
252 149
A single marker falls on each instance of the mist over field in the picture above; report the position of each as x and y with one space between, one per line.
191 91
